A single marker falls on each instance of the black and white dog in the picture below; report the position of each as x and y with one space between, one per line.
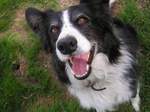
94 54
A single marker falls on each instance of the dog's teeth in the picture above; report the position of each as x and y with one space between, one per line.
71 60
88 55
73 72
85 73
87 67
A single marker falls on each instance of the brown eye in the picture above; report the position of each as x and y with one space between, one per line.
54 30
81 20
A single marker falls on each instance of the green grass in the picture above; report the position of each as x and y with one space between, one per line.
7 13
62 106
10 88
37 90
8 10
141 20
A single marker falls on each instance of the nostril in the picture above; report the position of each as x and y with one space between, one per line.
73 44
61 48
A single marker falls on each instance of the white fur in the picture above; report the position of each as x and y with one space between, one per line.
105 75
136 101
83 45
111 1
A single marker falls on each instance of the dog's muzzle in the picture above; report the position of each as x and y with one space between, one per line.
81 63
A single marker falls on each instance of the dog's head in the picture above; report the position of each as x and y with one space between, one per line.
76 35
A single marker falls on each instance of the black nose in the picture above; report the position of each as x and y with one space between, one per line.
67 45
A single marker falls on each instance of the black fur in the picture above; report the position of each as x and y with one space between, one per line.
129 39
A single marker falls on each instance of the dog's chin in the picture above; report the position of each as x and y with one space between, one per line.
81 64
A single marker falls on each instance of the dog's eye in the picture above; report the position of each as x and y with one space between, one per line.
81 20
54 30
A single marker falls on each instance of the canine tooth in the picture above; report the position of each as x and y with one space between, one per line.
87 67
88 54
71 60
73 72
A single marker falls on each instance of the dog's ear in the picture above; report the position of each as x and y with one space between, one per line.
96 5
34 18
37 21
84 1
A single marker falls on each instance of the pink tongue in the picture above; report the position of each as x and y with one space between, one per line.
79 64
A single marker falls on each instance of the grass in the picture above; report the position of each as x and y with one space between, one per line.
37 89
141 19
10 88
8 10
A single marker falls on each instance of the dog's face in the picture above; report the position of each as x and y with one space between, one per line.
76 35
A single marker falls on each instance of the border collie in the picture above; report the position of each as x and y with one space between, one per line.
93 53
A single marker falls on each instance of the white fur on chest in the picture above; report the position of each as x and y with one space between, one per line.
105 75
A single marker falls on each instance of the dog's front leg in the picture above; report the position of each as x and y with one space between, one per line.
136 101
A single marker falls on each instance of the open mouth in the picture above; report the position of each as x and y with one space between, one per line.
81 64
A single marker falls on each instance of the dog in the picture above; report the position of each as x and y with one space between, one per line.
94 54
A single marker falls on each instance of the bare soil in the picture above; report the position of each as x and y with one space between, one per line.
63 4
18 25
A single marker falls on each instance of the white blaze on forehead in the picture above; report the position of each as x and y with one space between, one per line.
66 21
83 45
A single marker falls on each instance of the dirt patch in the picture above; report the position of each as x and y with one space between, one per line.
19 69
143 4
118 5
18 25
44 60
63 4
116 8
20 72
45 101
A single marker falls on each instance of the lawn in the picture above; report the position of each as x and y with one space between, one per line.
27 80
